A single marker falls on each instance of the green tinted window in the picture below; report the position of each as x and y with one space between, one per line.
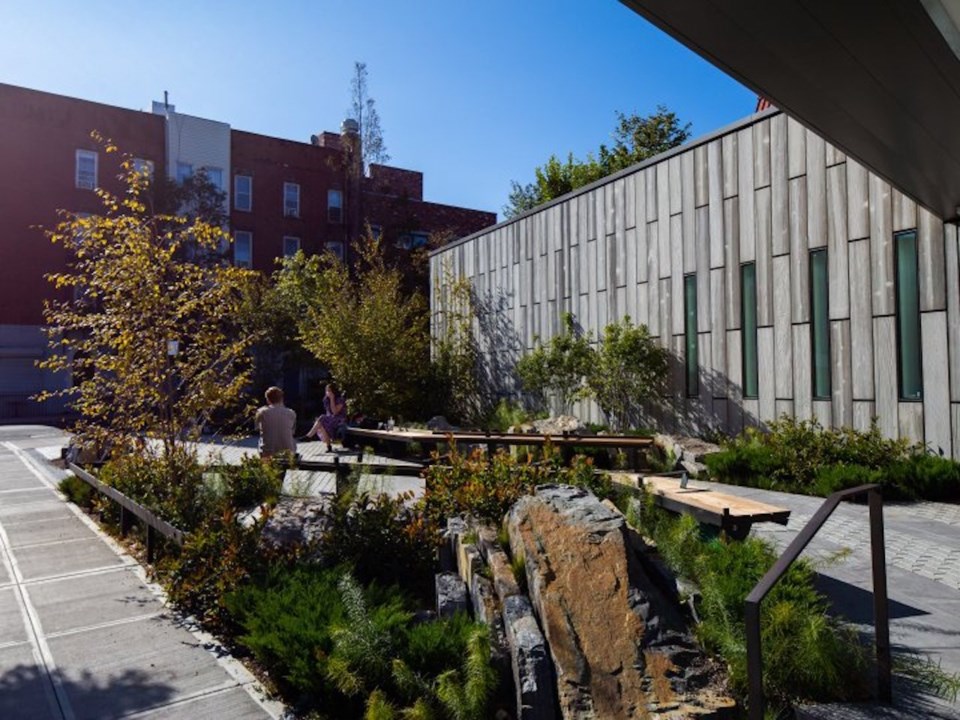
690 332
908 317
820 324
748 305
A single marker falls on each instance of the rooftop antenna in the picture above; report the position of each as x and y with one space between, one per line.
166 103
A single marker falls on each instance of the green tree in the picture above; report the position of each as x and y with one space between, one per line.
155 343
362 324
636 138
625 372
364 111
559 367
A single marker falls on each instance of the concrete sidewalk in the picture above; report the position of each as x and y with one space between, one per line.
82 633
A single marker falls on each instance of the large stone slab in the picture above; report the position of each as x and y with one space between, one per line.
61 529
12 629
616 644
532 674
452 594
40 561
25 690
235 704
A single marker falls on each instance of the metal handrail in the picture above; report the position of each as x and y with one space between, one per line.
881 614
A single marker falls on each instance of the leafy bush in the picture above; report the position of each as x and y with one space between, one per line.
382 540
487 487
559 367
77 491
802 457
505 415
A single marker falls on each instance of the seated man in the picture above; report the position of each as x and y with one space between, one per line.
276 424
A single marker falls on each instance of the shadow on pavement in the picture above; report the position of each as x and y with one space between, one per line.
26 692
856 604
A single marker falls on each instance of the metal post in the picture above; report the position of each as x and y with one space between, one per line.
125 521
754 661
151 544
881 610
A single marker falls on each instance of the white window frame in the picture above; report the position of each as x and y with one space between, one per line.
335 217
336 247
82 181
293 239
291 209
248 236
238 193
184 171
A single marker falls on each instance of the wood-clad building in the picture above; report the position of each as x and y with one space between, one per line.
782 276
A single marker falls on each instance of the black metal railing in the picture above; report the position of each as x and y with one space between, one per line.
881 615
130 509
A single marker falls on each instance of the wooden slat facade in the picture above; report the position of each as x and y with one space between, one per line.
766 191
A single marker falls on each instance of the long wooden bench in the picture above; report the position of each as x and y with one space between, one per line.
732 514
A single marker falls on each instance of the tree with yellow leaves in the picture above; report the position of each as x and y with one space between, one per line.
155 342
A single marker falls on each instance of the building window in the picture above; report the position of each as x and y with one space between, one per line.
215 176
334 206
243 192
184 171
291 200
336 247
908 316
748 322
86 172
820 324
243 248
419 239
692 357
376 232
290 245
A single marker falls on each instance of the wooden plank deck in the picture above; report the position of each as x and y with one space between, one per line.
735 515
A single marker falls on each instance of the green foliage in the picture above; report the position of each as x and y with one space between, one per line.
636 138
622 373
807 654
138 282
559 367
505 415
487 487
626 371
454 386
382 540
363 325
802 457
77 491
518 566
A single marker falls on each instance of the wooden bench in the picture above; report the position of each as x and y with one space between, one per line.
732 514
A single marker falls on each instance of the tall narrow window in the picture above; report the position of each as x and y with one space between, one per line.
86 170
908 316
243 248
215 176
820 324
290 245
748 322
336 247
291 200
334 206
243 192
184 170
690 332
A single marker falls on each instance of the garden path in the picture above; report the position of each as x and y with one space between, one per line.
83 634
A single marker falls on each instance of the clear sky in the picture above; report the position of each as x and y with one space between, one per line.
474 94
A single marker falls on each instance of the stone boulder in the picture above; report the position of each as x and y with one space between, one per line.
440 424
551 426
619 647
297 521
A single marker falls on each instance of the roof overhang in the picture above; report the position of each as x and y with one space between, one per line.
880 79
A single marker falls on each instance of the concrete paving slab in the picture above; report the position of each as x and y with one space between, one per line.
25 691
235 704
115 671
12 501
12 629
79 602
46 512
12 482
61 529
69 557
4 577
391 485
308 483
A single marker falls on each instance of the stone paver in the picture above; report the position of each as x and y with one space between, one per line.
82 633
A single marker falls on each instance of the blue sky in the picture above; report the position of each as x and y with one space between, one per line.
473 94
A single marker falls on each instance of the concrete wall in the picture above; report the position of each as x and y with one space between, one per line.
765 191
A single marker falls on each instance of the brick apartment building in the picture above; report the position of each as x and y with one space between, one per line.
283 196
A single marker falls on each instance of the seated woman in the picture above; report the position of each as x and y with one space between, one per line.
333 418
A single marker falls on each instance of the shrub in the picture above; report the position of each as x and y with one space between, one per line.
382 540
487 487
923 476
77 491
807 654
832 478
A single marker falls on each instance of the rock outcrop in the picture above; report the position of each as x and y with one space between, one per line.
552 426
618 645
689 452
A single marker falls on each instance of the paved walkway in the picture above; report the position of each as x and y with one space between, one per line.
82 633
